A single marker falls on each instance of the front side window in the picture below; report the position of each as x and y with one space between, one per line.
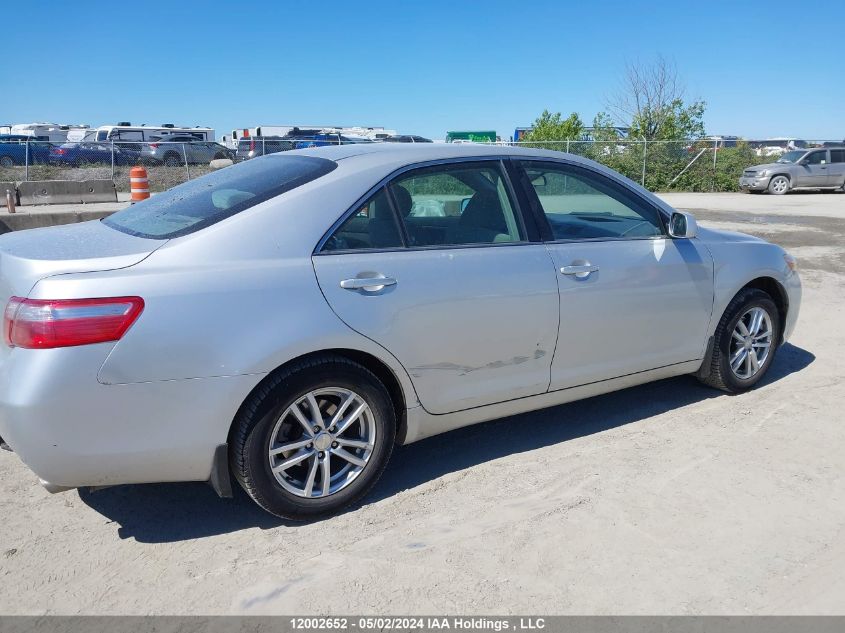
372 225
582 205
456 204
206 200
817 158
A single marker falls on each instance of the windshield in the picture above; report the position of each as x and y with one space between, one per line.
791 157
204 201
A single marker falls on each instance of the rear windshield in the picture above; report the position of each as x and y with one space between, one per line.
204 201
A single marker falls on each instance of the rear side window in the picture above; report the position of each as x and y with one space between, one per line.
204 201
373 225
837 156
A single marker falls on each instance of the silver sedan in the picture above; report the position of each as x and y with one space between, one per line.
285 321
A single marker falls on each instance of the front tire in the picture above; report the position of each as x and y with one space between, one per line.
745 342
314 439
779 185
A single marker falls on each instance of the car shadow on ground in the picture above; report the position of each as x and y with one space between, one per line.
160 513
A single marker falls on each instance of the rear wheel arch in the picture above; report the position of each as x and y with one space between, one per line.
370 362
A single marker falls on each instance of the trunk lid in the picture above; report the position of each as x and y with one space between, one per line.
28 256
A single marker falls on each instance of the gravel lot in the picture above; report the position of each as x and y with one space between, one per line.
668 498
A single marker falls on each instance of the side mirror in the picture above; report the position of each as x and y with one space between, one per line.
803 161
682 225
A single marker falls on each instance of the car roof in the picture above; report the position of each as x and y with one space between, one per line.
399 154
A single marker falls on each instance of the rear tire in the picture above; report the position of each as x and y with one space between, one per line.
6 161
173 160
280 414
732 370
779 185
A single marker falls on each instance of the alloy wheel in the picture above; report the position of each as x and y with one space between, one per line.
322 442
751 342
780 185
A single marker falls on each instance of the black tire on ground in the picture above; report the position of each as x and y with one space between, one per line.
6 161
779 185
250 437
173 160
721 376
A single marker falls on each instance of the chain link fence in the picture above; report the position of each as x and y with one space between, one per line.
168 164
700 165
703 165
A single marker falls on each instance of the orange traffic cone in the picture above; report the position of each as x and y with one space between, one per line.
138 184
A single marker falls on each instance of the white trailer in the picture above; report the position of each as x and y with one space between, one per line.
370 132
141 133
52 132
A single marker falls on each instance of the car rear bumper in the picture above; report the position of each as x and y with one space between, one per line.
73 431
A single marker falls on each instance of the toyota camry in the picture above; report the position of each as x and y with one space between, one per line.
284 322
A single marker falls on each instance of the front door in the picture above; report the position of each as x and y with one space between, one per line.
814 170
435 268
631 298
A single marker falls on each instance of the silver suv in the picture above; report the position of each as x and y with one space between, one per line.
798 169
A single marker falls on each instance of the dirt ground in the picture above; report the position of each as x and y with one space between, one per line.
667 498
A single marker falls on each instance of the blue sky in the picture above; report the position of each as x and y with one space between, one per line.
418 67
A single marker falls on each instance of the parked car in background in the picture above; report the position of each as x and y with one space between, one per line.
327 140
177 149
300 139
89 152
797 169
406 138
260 145
19 149
289 319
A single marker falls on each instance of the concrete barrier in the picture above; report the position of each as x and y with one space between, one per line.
66 191
220 163
34 219
98 191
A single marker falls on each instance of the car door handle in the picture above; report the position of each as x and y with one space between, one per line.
581 271
372 284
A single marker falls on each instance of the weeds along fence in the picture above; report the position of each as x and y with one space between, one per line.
704 165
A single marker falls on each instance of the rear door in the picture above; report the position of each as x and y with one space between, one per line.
631 298
452 289
837 168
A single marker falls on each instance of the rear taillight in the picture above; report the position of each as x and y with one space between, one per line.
252 146
59 151
44 324
153 145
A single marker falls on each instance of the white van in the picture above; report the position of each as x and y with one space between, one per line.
127 132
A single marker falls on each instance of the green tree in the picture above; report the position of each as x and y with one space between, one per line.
603 128
553 127
674 121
